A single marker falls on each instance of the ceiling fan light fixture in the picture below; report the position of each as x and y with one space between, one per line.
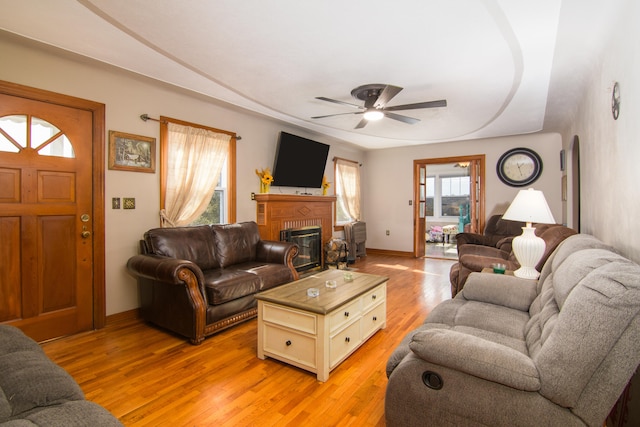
373 115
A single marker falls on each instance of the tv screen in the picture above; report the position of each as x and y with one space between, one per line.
299 162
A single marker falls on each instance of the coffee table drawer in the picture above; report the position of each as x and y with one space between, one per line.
374 296
289 345
344 314
374 319
290 318
344 343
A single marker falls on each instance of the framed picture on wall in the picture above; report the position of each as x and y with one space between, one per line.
134 153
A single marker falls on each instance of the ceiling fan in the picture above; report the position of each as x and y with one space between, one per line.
376 97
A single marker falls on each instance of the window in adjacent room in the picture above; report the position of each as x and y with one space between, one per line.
455 194
347 190
197 167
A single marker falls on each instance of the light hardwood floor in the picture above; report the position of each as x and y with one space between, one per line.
148 377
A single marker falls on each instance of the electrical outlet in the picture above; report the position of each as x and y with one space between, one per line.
388 232
129 203
115 203
253 196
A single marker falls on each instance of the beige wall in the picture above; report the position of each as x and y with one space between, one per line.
610 149
389 183
126 97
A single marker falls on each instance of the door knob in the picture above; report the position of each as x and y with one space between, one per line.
85 233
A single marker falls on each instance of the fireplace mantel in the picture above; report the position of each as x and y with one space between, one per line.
276 212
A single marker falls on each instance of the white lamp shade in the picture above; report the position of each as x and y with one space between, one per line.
529 206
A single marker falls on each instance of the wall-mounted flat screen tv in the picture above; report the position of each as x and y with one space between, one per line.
299 162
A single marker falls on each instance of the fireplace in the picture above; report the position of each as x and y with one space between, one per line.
309 241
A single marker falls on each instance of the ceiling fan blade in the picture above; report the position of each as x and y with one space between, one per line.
362 123
386 95
331 115
398 117
335 101
429 104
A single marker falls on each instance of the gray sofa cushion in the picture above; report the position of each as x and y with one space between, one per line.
34 391
477 356
28 380
599 310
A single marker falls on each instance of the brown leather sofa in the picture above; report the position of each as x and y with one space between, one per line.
196 281
473 257
498 232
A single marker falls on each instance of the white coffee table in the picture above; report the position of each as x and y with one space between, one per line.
318 333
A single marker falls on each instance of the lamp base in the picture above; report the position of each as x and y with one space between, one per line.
527 273
528 249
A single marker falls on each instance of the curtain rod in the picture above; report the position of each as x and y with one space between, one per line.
145 117
347 160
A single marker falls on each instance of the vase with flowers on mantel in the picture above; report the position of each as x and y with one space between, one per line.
265 180
325 185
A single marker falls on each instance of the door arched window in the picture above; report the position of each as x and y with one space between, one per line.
20 133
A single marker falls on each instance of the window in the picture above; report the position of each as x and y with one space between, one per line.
455 194
216 211
197 181
21 132
347 190
447 195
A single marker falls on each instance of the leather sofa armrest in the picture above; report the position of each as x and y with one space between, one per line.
478 262
278 253
485 251
162 269
467 238
505 244
478 357
498 289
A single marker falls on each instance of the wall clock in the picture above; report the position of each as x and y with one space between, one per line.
519 167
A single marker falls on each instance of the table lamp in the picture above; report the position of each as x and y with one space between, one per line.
529 206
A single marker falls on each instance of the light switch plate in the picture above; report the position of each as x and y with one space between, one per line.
115 203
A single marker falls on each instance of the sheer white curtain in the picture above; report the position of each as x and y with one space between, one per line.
195 157
348 178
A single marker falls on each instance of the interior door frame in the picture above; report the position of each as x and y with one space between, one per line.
97 111
475 158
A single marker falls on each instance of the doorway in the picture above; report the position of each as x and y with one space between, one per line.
575 184
51 212
449 198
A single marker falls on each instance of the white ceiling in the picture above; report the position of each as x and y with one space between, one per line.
504 67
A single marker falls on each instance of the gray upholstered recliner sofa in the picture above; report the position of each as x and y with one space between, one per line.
34 391
508 351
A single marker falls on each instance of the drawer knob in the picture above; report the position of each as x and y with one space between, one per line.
346 314
288 343
373 296
375 318
347 339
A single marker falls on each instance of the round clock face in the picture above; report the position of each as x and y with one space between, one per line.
519 167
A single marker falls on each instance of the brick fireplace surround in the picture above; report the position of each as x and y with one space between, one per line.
277 212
